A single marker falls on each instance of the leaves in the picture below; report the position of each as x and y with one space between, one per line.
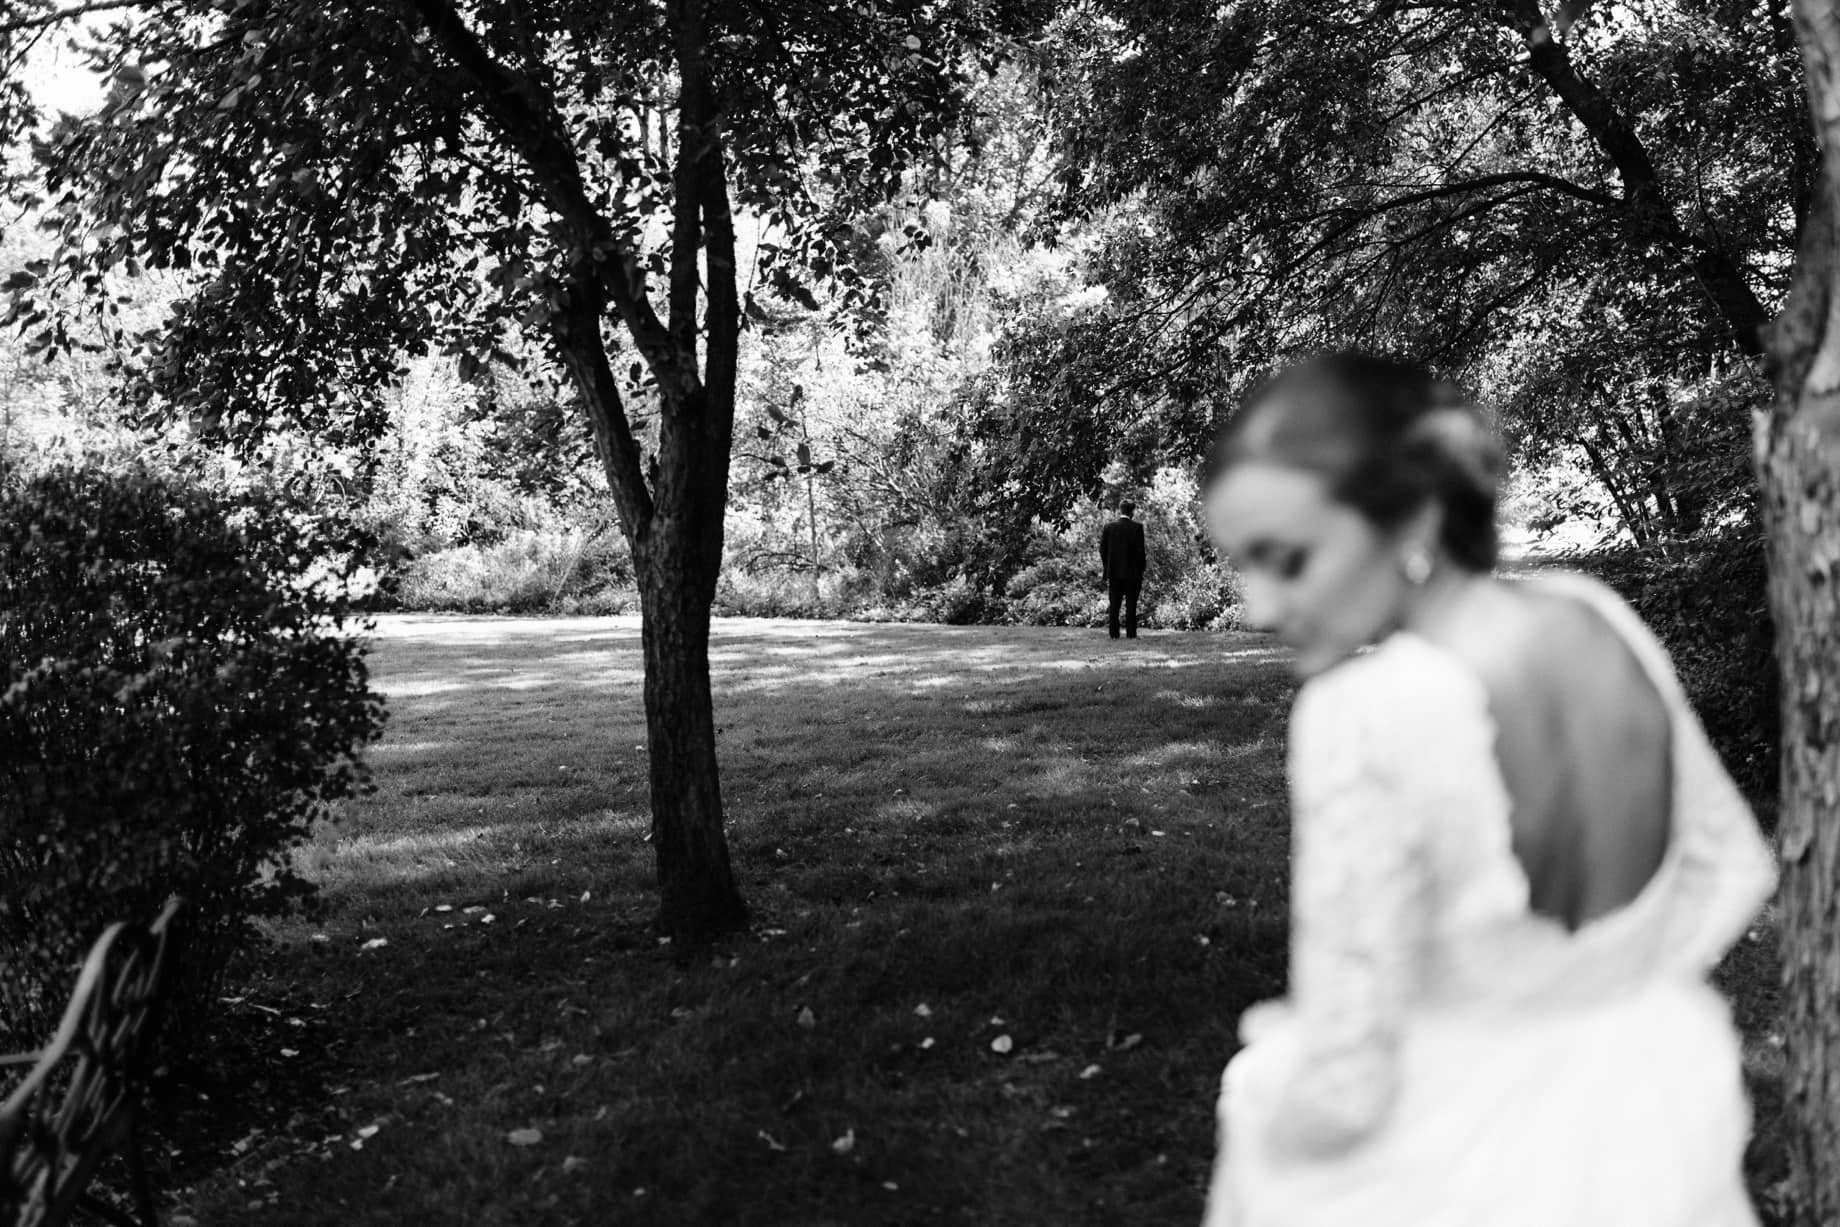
355 189
174 677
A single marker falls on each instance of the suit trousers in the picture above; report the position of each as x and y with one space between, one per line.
1123 591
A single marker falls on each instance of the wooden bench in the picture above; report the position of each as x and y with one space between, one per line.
81 1101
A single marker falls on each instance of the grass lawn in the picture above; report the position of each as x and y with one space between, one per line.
1012 888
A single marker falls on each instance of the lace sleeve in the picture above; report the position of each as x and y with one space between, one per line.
1360 912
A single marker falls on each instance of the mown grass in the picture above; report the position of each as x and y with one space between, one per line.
948 836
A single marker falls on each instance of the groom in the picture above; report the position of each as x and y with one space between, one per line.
1121 555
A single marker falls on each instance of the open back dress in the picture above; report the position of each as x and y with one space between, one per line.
1451 1057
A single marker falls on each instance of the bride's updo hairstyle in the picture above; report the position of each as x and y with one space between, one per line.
1387 436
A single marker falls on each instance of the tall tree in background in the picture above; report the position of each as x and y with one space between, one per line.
1440 178
1798 462
352 181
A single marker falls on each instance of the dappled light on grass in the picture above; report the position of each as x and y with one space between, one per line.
974 820
1031 834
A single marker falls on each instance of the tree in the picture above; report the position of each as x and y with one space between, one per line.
502 179
1427 177
1798 464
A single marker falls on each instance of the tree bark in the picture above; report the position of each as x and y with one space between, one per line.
1798 462
697 892
671 510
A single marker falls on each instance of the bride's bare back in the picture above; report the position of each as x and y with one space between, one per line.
1584 744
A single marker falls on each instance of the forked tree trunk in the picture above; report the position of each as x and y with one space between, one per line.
698 895
1798 463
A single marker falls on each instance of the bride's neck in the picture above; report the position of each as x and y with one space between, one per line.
1444 599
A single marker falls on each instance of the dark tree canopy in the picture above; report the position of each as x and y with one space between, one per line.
1448 180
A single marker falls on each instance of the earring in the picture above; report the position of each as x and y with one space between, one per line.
1416 567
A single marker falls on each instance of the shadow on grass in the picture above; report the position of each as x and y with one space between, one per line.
1012 889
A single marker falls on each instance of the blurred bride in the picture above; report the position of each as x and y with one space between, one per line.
1516 856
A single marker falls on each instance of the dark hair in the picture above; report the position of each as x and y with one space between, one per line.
1126 507
1389 437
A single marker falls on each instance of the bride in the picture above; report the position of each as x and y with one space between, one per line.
1516 854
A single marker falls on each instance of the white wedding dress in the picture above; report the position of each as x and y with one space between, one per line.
1469 1062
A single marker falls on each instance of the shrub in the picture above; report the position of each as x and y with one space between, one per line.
1203 597
529 571
777 592
1060 591
956 602
1706 599
180 706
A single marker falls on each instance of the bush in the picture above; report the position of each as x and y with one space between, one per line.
843 592
1706 599
180 707
530 571
1202 598
1063 591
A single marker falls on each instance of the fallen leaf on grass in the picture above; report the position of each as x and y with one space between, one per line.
1089 1073
845 1144
924 1010
772 1142
1002 1044
807 1019
573 1164
524 1137
375 943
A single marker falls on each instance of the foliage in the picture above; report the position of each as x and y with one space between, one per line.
1585 225
182 704
1057 591
561 184
525 572
1705 597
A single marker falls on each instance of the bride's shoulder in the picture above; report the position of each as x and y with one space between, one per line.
1396 691
1579 625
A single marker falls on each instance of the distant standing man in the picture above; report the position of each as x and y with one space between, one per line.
1121 554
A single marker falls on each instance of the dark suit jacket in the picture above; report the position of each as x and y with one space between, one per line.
1121 550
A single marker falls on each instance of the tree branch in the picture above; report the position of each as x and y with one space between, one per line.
528 122
577 329
13 25
1644 199
1538 179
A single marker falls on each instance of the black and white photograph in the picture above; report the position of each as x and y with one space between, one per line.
920 613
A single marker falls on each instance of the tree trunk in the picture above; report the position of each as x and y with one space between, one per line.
1798 462
698 896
